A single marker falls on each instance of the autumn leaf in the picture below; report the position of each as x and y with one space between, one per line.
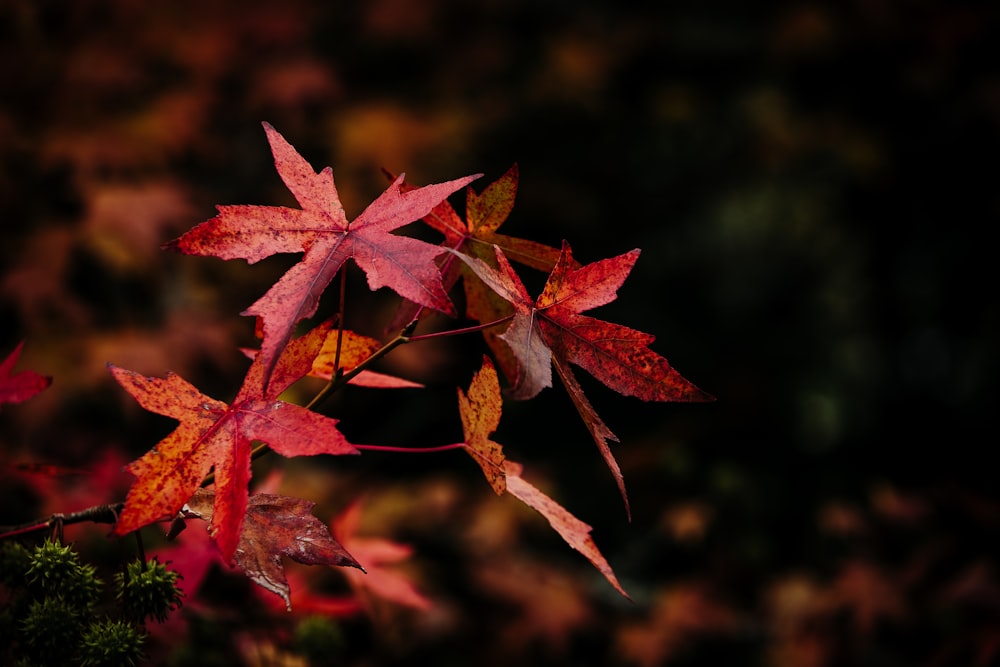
212 434
616 355
20 386
575 532
377 556
480 412
476 236
484 213
321 230
552 331
354 349
276 526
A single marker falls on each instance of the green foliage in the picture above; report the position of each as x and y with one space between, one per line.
147 590
111 643
51 629
55 569
56 611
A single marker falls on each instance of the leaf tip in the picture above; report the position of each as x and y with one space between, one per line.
694 394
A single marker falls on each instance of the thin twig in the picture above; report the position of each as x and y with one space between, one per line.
107 513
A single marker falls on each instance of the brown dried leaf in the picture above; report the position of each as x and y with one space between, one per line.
277 526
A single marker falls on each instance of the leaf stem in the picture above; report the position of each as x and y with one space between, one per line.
465 330
340 320
411 450
340 379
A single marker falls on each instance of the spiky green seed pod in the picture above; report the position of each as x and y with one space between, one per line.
111 643
51 629
147 590
55 569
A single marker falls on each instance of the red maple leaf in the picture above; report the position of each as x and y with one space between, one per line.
484 213
212 434
480 412
18 387
321 230
476 236
551 331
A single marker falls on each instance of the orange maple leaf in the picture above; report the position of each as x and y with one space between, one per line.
480 412
353 350
215 435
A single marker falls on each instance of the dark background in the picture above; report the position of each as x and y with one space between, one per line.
812 185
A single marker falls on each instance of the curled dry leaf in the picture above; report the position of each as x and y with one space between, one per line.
276 526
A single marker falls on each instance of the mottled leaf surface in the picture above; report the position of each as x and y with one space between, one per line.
480 409
321 230
552 331
215 436
476 236
276 526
